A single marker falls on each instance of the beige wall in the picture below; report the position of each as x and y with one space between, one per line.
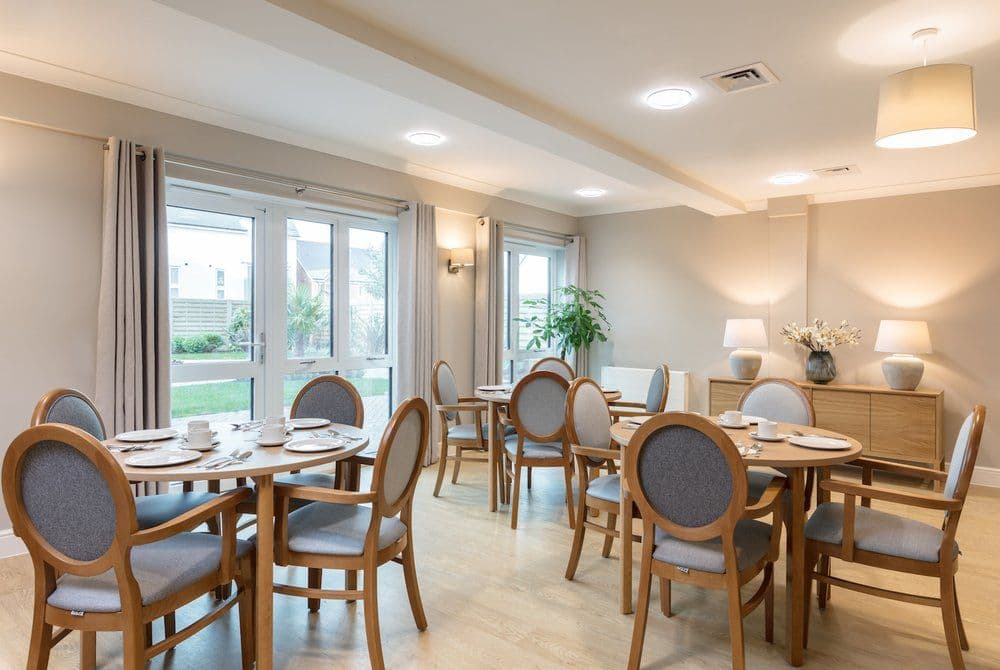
673 276
457 296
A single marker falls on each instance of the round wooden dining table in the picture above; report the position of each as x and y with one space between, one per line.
262 465
495 399
794 462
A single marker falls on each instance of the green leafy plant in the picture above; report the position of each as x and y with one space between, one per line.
306 317
574 320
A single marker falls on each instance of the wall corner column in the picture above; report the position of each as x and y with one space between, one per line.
788 276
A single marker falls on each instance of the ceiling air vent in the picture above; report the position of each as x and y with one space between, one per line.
742 78
837 171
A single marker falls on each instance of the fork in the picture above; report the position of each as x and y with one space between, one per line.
241 458
219 459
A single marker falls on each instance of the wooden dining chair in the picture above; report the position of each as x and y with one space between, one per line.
537 411
689 482
863 535
338 530
588 430
70 503
463 437
656 397
556 365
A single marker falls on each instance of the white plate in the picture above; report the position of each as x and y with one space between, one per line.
278 443
303 424
815 442
777 438
314 445
150 435
494 387
213 445
163 458
637 420
734 426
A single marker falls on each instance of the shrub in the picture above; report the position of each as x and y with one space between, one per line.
197 344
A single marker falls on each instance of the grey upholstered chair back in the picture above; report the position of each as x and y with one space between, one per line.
556 365
657 387
447 389
960 456
778 400
590 416
329 397
685 476
539 403
71 408
401 453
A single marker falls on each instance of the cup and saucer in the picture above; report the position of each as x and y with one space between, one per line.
733 419
200 437
274 432
767 431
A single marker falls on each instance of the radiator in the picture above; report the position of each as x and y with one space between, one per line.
634 382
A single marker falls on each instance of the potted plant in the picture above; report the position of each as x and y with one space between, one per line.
573 321
819 339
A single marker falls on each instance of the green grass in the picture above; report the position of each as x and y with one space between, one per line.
213 356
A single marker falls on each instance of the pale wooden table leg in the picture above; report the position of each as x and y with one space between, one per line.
795 575
491 447
264 594
626 526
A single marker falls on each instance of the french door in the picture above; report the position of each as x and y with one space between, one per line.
317 297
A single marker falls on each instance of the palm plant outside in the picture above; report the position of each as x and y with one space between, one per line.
573 320
306 317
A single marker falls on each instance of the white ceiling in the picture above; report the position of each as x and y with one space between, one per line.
538 97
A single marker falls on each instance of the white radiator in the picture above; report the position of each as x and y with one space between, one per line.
634 382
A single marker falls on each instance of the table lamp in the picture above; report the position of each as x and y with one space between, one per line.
903 339
743 335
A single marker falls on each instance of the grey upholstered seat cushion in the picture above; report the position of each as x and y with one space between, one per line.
467 431
162 569
534 449
328 528
752 540
607 488
879 532
759 480
154 510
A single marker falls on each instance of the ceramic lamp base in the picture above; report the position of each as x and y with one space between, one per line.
902 373
745 363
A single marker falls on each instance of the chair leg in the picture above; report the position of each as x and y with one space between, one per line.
769 604
626 559
642 613
41 637
529 477
88 650
736 623
412 588
442 466
577 547
351 581
949 613
516 495
315 576
244 583
568 476
458 465
609 539
822 589
812 559
958 615
665 598
371 618
134 639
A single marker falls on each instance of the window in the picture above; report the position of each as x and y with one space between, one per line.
175 281
274 295
531 271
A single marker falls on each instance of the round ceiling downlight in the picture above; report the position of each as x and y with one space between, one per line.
590 192
669 98
788 178
425 138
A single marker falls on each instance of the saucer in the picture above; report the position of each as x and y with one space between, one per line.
267 443
780 437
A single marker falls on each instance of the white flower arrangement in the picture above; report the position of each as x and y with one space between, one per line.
821 336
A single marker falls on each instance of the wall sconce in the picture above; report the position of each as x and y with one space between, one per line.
460 258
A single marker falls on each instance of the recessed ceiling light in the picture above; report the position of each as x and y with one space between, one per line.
425 138
788 178
590 192
669 98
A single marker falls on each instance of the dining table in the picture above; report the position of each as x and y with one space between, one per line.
794 461
496 397
261 465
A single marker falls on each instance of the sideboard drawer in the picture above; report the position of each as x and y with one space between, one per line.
843 412
904 427
724 396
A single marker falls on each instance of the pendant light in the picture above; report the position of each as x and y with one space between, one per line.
926 106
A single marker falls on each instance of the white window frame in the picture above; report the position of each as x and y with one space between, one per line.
512 354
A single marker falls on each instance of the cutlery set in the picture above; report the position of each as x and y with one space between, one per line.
232 458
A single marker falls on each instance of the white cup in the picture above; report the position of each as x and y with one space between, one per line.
199 438
197 424
767 428
272 432
732 417
275 420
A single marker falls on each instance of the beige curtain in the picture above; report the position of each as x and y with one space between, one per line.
418 308
488 352
576 274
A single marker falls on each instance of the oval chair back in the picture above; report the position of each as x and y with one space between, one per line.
556 365
400 457
588 418
963 458
444 387
69 500
332 398
778 400
538 406
687 478
659 386
72 408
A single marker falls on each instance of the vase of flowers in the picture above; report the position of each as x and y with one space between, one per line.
819 339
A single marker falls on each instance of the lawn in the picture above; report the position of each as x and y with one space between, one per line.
213 356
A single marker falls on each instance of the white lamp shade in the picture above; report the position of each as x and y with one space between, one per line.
903 337
926 107
745 333
462 257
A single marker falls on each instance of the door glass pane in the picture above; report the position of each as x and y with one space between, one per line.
226 400
211 285
375 387
506 301
309 280
532 283
367 293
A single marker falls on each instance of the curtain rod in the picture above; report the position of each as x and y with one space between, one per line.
538 231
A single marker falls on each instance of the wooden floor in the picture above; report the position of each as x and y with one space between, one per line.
496 598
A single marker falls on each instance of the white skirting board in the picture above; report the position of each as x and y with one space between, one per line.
983 476
10 544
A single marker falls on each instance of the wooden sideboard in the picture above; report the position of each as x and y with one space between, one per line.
899 425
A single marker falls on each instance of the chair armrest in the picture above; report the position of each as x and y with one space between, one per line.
627 403
504 417
462 407
321 494
596 452
899 468
912 498
470 398
770 501
630 412
192 518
